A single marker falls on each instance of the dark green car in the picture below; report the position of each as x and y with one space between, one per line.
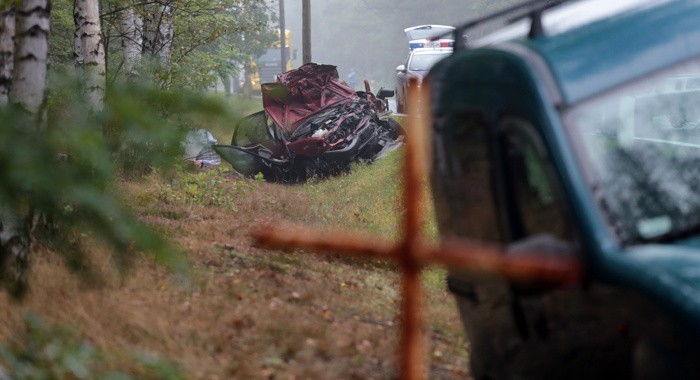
574 131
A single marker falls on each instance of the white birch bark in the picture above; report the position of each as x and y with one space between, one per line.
31 55
131 30
29 91
89 51
7 49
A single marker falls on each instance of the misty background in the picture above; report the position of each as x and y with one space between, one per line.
367 35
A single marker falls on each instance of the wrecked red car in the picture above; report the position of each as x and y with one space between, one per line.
312 124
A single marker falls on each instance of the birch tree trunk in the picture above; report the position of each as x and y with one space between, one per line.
29 91
31 55
131 29
7 49
89 51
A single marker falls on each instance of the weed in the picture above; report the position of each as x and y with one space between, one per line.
202 188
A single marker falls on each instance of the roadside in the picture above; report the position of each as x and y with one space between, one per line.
250 312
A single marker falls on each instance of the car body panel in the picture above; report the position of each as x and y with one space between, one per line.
637 310
289 102
675 30
408 71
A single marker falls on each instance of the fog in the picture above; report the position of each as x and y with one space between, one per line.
367 35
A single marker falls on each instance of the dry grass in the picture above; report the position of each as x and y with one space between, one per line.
249 312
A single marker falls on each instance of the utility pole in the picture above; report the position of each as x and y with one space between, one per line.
306 30
283 40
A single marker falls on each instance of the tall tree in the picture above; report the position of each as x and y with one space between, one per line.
131 29
89 51
31 55
29 92
7 48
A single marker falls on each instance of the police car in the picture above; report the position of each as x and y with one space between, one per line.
428 44
428 36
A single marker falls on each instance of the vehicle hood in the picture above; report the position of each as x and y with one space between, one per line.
299 94
669 273
679 261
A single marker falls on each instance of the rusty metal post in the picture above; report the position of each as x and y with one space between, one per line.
412 339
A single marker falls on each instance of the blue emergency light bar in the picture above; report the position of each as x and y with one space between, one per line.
431 44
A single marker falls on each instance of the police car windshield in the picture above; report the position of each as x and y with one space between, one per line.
423 61
641 149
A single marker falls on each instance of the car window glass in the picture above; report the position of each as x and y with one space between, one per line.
533 189
252 130
421 62
463 179
641 148
693 84
427 31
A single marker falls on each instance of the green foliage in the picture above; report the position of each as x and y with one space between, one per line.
208 41
59 353
64 174
220 40
61 39
204 188
67 171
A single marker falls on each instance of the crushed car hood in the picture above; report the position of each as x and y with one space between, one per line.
312 125
300 93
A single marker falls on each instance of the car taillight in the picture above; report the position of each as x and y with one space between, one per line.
447 44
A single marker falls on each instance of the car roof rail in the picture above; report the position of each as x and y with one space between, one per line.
532 9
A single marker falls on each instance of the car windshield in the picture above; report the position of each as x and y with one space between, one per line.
641 149
423 62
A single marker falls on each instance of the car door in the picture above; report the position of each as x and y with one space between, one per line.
562 329
401 84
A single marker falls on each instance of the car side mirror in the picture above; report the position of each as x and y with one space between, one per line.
401 68
384 93
543 248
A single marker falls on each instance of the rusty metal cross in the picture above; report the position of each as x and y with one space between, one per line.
412 252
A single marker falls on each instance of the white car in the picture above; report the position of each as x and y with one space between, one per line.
417 64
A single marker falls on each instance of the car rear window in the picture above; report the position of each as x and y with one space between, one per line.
427 31
422 62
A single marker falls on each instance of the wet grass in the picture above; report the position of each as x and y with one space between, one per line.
248 312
